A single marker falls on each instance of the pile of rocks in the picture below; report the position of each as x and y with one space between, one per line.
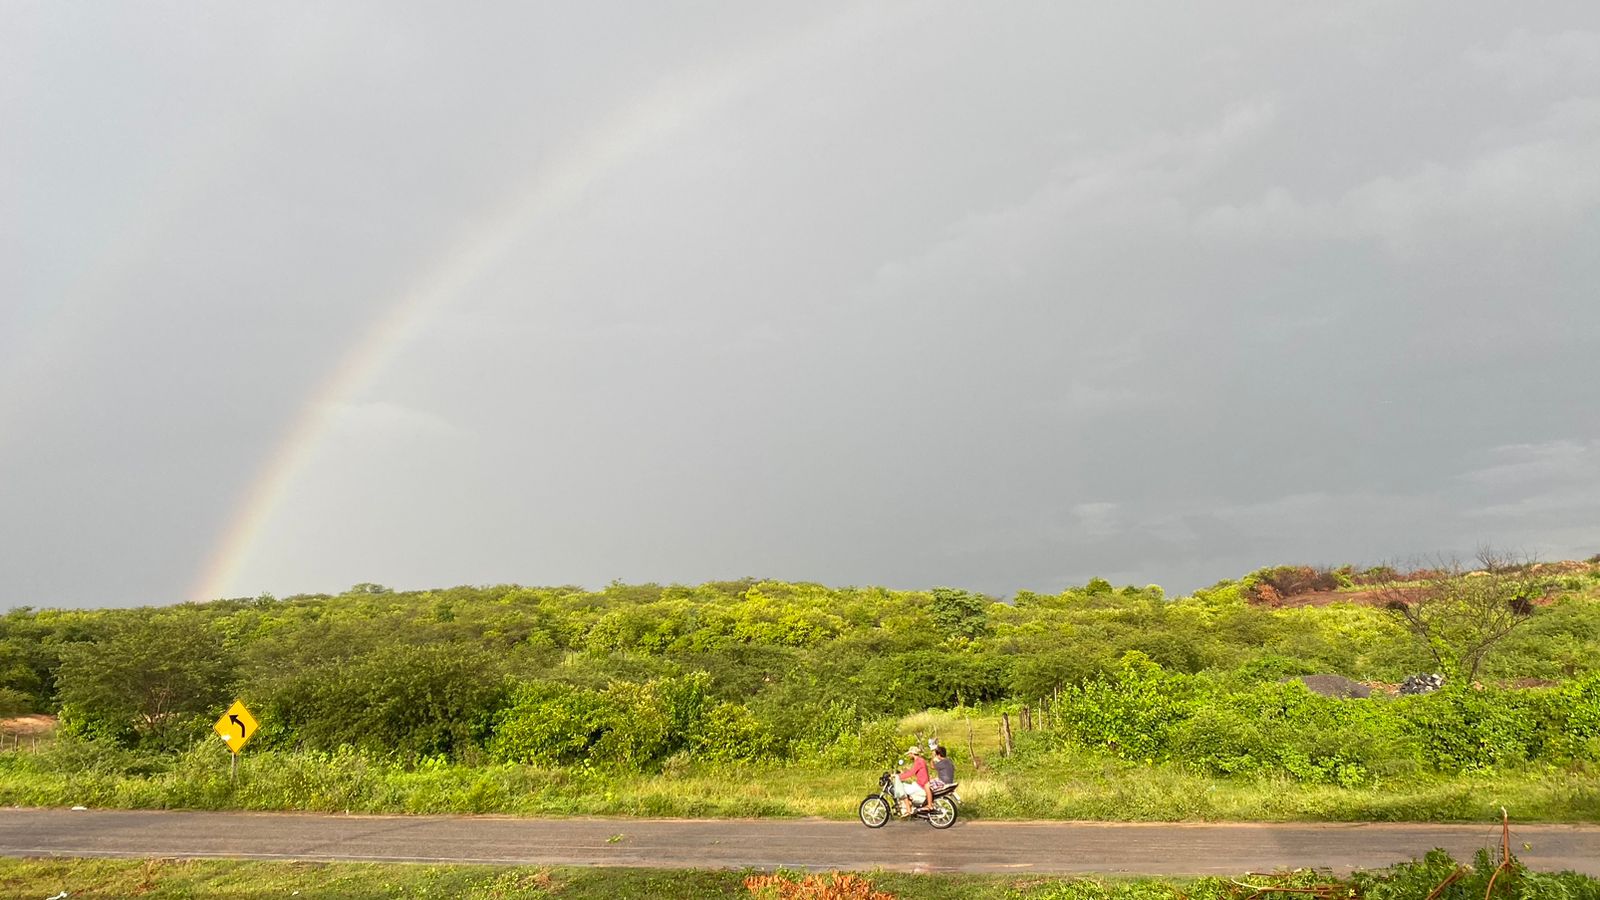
1421 684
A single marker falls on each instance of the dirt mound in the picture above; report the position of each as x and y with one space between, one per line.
1269 587
1336 686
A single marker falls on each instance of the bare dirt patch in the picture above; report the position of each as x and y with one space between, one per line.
33 725
1360 598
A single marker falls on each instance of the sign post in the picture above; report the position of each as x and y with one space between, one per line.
236 727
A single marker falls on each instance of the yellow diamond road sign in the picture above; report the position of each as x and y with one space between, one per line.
236 726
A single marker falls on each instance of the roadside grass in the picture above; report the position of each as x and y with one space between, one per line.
244 880
196 878
957 728
1060 786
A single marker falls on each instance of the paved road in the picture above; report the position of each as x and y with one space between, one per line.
807 843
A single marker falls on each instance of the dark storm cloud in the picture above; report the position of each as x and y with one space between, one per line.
906 294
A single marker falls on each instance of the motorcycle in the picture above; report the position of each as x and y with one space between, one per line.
876 810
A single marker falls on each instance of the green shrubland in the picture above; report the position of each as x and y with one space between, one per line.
1226 725
762 697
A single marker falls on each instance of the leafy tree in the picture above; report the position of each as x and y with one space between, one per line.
155 680
1460 616
18 677
30 651
13 702
1043 673
960 613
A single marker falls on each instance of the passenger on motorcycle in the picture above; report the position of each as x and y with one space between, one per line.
912 785
944 770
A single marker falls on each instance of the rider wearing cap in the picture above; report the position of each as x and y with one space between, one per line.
912 784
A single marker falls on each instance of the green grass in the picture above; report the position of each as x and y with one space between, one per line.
1059 785
237 880
240 880
1040 786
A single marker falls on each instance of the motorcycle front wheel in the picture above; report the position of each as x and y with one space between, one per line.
874 812
944 813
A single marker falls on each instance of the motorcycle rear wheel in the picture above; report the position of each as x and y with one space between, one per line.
944 813
874 812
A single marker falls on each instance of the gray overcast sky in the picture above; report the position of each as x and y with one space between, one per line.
1003 296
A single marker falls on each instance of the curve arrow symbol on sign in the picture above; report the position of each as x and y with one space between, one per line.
235 720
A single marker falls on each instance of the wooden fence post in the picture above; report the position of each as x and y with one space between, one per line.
1005 734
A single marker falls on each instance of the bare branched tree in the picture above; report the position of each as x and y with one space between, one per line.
1459 613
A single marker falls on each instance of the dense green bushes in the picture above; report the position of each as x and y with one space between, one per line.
640 676
1140 711
551 724
416 701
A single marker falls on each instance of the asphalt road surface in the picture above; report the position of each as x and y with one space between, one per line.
1054 847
